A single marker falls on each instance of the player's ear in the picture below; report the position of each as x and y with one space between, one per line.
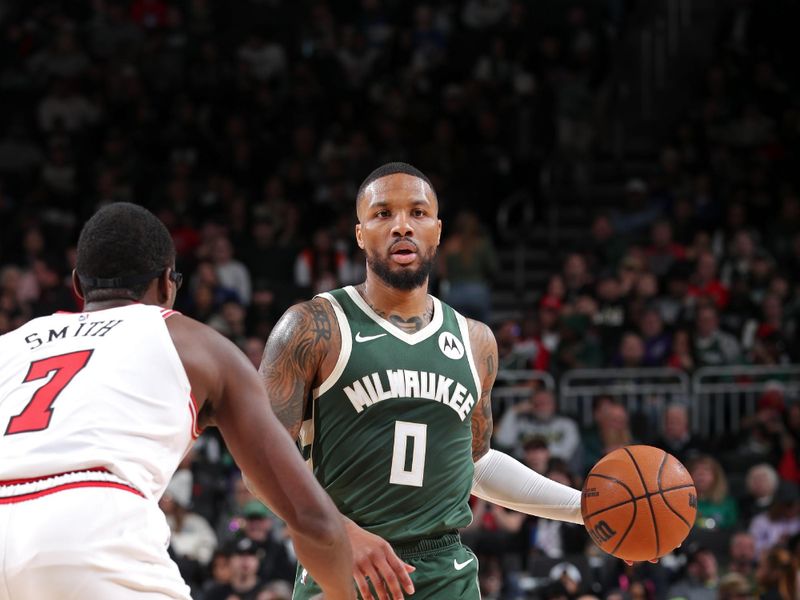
359 236
163 287
76 284
438 231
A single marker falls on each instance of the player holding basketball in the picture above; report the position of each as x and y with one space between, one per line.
98 408
388 390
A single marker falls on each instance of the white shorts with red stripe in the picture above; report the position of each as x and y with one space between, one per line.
83 536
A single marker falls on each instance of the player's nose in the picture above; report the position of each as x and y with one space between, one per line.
402 225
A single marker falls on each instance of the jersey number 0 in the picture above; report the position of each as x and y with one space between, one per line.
36 414
408 453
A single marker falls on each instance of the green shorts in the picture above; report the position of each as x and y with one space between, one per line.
445 570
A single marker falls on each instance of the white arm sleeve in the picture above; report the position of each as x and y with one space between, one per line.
505 481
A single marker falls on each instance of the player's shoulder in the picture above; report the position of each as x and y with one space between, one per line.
316 311
480 334
311 323
194 337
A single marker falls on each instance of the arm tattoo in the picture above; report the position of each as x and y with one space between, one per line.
484 349
294 352
322 322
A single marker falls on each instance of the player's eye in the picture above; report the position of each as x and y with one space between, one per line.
382 213
418 212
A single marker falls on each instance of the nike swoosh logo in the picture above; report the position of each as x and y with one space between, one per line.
366 338
458 566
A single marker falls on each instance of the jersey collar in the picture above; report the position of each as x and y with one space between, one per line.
391 328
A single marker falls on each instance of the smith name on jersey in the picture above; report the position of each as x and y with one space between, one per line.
389 432
103 389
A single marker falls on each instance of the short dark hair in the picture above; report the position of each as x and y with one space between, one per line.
391 169
122 240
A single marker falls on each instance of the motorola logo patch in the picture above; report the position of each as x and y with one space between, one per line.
450 345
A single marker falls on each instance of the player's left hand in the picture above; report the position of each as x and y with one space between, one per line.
375 559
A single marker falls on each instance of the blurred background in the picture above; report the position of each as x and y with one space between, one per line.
618 182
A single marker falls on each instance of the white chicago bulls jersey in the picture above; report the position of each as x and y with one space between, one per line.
103 392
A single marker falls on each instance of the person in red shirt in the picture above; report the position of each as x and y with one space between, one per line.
705 281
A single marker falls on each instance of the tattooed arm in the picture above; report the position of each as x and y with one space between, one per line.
484 352
296 352
498 477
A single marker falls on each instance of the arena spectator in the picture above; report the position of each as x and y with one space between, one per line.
577 346
604 248
777 575
467 263
742 558
549 312
733 586
631 352
245 582
780 521
704 281
761 484
577 277
261 527
716 508
321 267
192 539
538 417
611 314
677 438
675 305
657 341
232 274
663 252
712 346
611 430
701 578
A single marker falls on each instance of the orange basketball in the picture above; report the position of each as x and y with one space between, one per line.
638 503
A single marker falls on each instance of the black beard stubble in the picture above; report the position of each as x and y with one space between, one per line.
404 279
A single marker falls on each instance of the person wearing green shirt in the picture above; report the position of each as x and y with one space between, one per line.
716 509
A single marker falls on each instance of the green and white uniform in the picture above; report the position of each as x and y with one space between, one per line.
389 438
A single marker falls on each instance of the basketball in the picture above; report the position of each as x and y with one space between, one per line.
638 503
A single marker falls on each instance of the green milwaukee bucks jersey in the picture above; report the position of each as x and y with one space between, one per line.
389 433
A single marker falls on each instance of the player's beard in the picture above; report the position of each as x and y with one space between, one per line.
404 278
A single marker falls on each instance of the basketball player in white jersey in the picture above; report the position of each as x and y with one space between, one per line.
98 408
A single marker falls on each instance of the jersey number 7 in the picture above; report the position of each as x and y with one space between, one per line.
37 413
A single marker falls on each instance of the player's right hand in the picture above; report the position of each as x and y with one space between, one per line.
375 559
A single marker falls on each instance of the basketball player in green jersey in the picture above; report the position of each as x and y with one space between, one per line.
388 391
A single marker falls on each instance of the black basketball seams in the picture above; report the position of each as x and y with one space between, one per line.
683 486
633 499
649 502
663 497
615 480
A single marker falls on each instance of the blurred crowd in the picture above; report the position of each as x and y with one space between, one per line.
248 131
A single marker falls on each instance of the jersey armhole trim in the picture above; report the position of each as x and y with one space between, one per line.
344 351
464 327
168 312
194 411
